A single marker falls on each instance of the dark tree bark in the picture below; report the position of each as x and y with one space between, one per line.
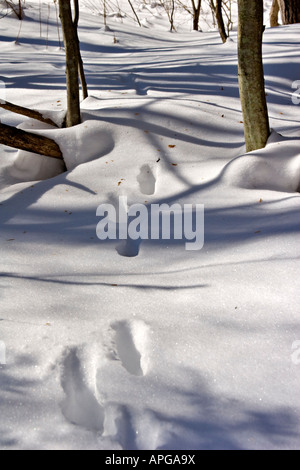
220 21
217 9
251 74
18 11
23 140
274 12
73 117
80 61
196 13
289 11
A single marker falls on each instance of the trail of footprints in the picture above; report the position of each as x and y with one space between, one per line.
82 405
147 183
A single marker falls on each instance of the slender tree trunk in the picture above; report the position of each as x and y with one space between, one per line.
18 11
274 12
80 61
23 140
220 21
251 74
290 11
135 13
73 117
218 15
172 15
196 14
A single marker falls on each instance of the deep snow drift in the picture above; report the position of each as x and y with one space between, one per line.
141 344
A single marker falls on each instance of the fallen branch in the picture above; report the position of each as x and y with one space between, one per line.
23 140
26 112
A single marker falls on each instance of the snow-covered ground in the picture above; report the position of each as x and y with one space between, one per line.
144 344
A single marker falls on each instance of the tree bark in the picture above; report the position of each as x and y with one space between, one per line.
73 117
251 74
217 11
220 21
18 12
290 11
196 14
274 12
23 140
80 61
26 112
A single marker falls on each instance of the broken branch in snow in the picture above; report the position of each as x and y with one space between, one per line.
26 112
23 140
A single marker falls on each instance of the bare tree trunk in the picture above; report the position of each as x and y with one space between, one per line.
251 74
80 61
217 10
220 21
196 14
290 11
17 11
23 140
274 12
73 117
135 13
26 112
172 16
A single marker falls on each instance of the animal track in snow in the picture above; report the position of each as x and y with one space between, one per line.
146 180
129 248
80 406
131 339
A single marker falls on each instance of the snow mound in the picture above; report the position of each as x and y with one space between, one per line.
83 143
275 168
80 144
32 167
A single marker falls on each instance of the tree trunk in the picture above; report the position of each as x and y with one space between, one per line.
73 117
23 140
251 74
218 14
17 11
135 13
290 11
220 21
274 12
196 14
80 61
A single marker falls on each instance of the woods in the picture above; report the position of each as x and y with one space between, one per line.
38 144
251 76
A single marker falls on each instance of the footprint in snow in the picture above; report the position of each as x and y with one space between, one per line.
129 248
131 339
146 180
80 406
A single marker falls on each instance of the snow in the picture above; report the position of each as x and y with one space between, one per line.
141 344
